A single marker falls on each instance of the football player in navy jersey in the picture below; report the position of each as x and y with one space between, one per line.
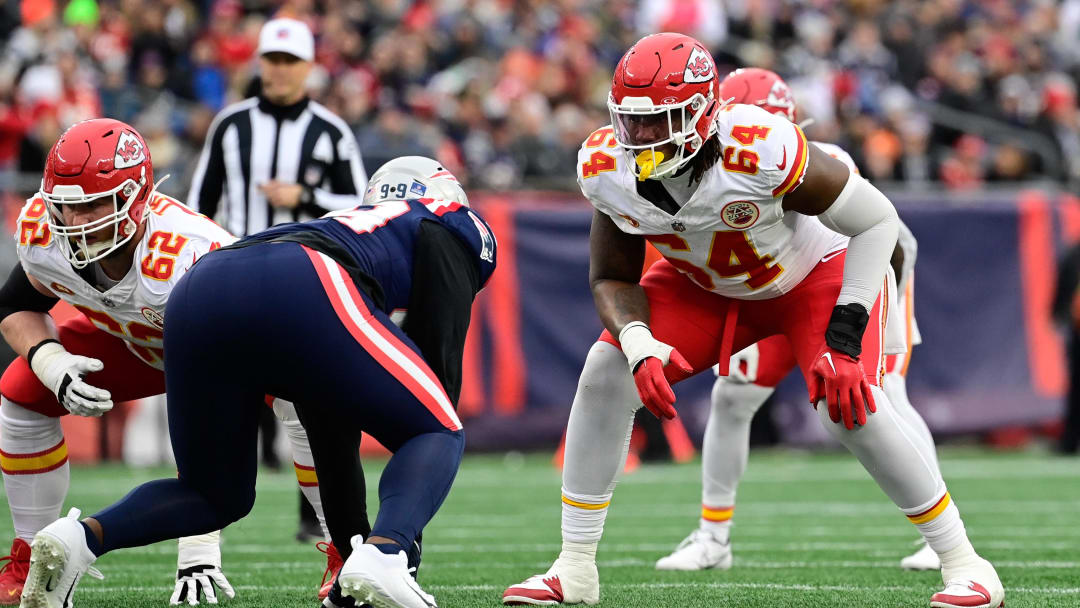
303 312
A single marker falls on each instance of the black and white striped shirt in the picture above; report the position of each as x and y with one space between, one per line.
253 141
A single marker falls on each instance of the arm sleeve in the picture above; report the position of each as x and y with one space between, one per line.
18 294
862 212
347 179
910 247
445 280
208 181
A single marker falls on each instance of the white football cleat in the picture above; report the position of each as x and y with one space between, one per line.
699 551
565 582
380 580
58 559
975 586
923 559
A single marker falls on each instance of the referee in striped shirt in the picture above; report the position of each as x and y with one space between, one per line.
279 157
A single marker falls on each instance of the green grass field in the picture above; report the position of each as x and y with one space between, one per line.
811 530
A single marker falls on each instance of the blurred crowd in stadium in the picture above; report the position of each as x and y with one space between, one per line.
503 91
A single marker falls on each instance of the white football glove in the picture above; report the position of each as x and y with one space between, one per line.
198 569
62 373
750 356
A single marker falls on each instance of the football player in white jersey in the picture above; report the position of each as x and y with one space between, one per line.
99 237
757 369
728 194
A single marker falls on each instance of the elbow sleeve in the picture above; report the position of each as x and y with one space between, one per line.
18 294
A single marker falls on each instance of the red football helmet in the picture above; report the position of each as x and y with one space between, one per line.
759 87
663 102
93 159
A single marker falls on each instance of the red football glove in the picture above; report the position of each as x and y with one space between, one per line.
653 382
840 379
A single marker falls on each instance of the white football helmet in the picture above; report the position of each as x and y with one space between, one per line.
410 177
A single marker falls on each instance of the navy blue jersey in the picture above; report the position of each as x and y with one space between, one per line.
381 240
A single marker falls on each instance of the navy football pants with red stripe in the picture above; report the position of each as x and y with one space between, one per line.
281 319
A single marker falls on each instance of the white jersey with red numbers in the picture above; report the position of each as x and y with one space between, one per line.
134 308
732 236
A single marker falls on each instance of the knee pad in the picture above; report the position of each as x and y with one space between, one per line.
606 378
18 423
294 430
738 400
285 411
884 417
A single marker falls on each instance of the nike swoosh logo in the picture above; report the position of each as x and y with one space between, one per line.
67 598
12 592
828 357
832 255
50 584
421 597
783 163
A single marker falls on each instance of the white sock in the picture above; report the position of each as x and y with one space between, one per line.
33 458
725 450
721 530
597 440
304 465
572 551
939 522
583 516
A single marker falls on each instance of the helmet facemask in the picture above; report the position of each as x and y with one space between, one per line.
660 139
73 239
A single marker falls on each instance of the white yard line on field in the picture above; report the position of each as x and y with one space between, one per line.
101 588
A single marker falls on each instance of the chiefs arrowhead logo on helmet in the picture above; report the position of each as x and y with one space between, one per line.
129 151
699 67
762 88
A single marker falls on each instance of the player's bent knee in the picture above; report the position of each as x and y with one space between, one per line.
18 422
233 507
606 378
861 434
738 400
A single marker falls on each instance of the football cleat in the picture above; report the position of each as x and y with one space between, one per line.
13 573
976 586
565 582
923 559
699 551
58 559
372 577
334 599
333 565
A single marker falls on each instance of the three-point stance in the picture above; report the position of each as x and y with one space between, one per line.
302 311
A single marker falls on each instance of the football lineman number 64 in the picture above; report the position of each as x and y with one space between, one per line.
599 161
730 255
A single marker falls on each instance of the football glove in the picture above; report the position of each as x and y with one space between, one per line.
62 373
655 365
198 570
839 378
